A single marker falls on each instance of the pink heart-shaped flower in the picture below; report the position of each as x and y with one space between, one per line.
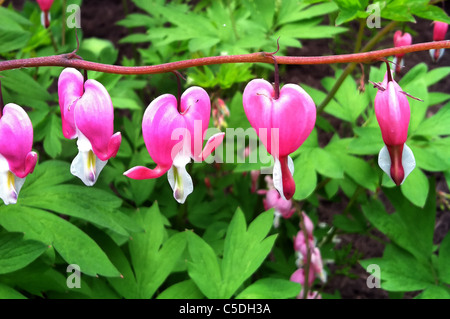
282 124
174 135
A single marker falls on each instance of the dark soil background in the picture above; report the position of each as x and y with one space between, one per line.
99 19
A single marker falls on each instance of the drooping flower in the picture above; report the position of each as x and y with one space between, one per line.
173 135
392 111
16 158
45 6
399 41
439 32
87 113
282 124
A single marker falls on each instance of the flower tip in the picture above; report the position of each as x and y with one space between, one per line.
30 162
114 144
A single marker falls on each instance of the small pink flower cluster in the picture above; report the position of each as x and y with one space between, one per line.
283 207
309 259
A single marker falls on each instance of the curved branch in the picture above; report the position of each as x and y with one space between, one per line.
68 60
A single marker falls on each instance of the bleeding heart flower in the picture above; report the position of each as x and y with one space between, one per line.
400 41
282 124
16 158
299 276
439 32
393 113
87 114
45 6
174 135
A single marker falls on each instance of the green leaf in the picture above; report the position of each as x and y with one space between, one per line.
11 40
126 285
20 82
326 163
48 173
204 268
74 246
52 142
97 206
435 292
349 9
431 156
307 31
198 44
368 141
400 271
7 292
16 253
436 75
438 124
415 187
305 176
444 259
36 278
410 227
271 288
154 258
356 224
359 170
186 289
245 249
431 12
291 11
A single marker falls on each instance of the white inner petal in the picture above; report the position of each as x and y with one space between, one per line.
408 161
86 165
179 179
384 161
43 18
277 175
10 184
441 53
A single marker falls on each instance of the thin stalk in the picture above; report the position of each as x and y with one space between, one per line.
359 37
349 69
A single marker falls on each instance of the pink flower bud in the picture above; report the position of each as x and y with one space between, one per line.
393 113
399 41
439 32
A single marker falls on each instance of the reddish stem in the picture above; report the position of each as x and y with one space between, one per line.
67 60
